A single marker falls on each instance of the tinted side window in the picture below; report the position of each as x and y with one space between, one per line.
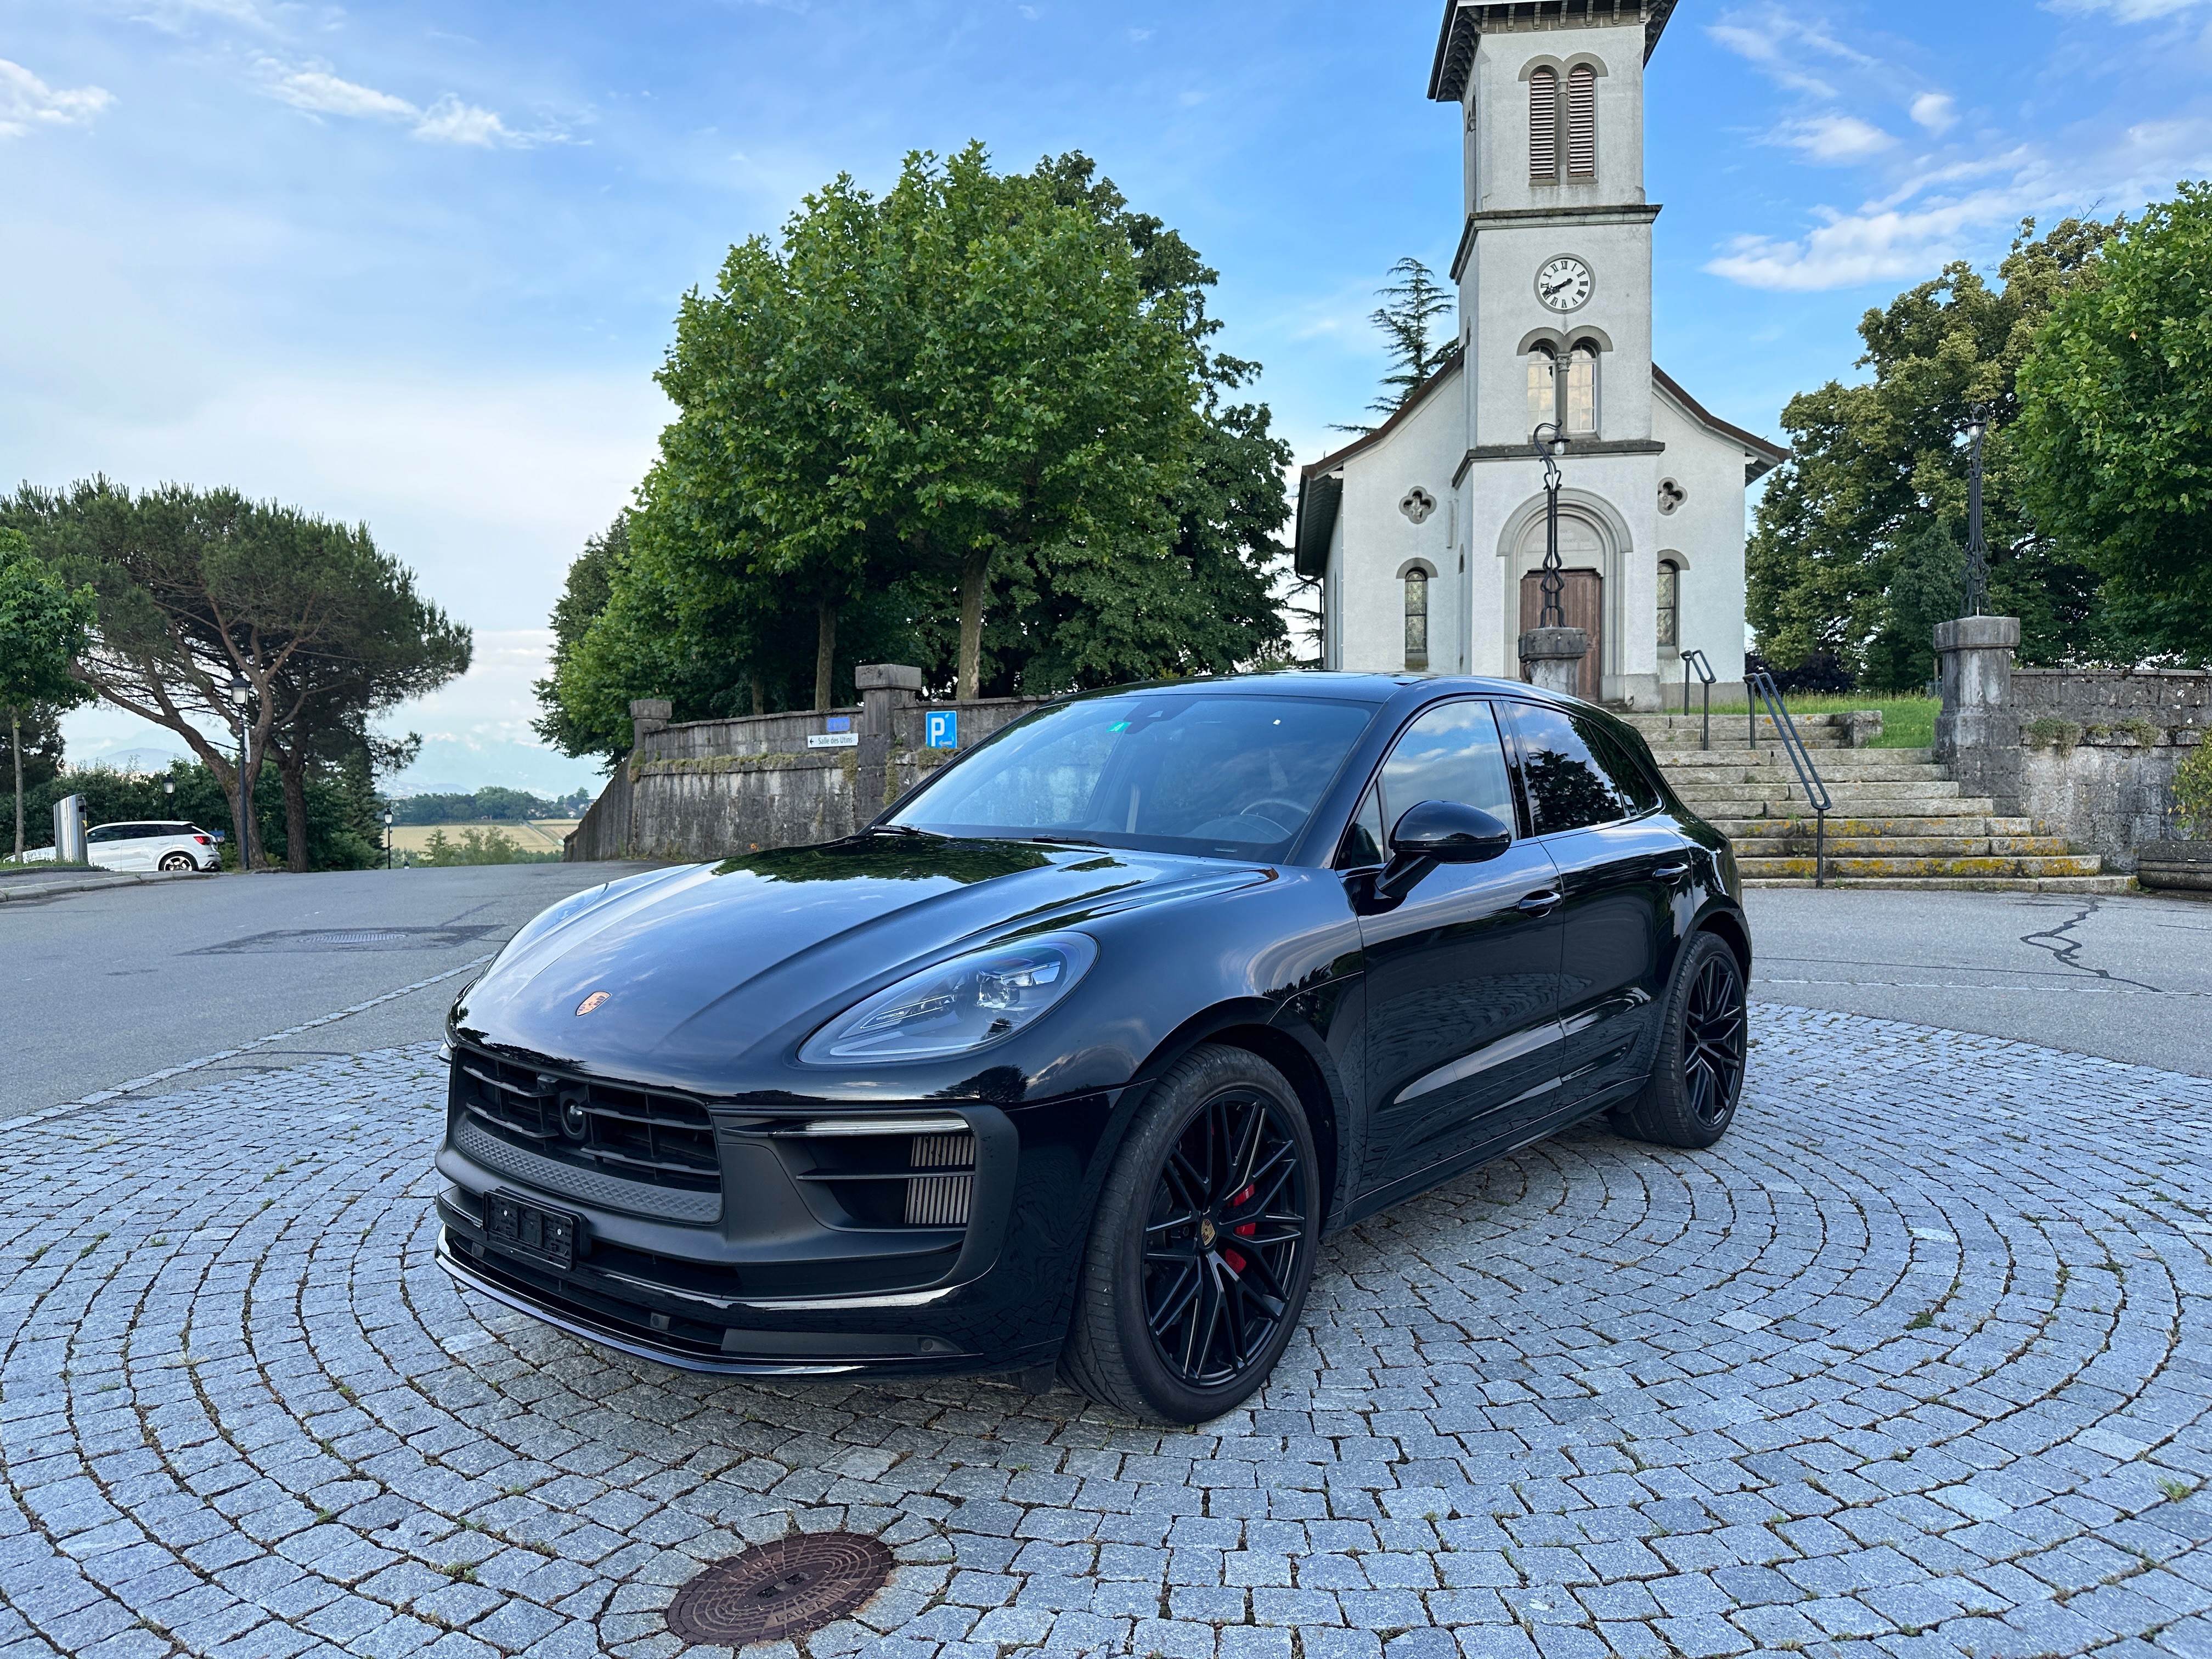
1620 762
1452 752
1568 786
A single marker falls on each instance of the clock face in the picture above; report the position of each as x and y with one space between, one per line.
1565 283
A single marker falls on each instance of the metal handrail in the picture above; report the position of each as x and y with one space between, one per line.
1705 673
1759 686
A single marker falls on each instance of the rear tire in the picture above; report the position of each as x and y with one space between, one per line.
1199 1260
177 862
1697 1078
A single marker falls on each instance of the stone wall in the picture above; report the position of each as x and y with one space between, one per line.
707 789
2099 749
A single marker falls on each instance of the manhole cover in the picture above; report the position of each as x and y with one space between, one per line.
790 1588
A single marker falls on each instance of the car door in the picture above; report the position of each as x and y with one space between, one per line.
1462 1028
1621 864
108 846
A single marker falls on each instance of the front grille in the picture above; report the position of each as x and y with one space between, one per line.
607 1130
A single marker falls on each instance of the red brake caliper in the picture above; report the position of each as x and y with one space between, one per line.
1235 1261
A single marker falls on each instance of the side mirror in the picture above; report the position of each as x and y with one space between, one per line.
1449 832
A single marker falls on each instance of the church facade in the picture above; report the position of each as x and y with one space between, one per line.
1428 534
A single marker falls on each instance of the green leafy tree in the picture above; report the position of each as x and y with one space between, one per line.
44 626
819 504
2116 427
196 588
1838 560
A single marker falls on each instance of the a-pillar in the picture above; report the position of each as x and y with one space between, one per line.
1553 658
885 689
1977 731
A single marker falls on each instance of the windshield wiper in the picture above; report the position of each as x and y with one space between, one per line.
1066 840
900 829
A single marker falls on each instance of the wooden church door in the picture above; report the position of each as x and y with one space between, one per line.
1582 598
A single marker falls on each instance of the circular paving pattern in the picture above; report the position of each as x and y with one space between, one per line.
1919 1358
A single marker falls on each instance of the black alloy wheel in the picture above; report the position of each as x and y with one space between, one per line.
1713 1034
1696 1076
1199 1260
1222 1248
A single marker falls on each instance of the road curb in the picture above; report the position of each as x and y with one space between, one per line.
95 883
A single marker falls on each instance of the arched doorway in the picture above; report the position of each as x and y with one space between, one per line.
1582 552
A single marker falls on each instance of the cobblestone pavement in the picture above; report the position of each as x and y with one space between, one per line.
1914 1362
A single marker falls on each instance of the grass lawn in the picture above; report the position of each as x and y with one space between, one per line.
1906 722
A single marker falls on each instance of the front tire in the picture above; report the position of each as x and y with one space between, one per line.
1198 1263
1704 1035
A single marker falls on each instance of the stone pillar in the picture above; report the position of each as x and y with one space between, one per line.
1553 658
647 716
1977 732
885 689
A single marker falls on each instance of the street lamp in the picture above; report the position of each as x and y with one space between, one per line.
1548 451
387 838
1977 554
239 692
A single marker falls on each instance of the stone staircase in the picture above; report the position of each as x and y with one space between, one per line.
1898 819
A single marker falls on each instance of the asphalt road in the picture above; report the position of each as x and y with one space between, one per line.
104 988
107 988
2126 978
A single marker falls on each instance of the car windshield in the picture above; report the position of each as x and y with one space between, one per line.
1222 775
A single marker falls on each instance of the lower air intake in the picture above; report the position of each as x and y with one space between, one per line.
940 1200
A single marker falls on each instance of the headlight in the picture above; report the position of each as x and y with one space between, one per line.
965 1004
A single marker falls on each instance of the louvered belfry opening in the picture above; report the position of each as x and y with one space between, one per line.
1544 124
1582 122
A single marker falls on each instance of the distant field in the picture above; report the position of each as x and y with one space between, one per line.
537 836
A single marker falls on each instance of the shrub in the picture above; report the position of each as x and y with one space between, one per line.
2192 790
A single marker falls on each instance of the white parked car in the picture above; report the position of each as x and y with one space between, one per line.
175 846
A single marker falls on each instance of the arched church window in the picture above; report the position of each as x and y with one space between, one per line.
1670 606
1582 122
1417 618
1578 407
1543 386
1544 126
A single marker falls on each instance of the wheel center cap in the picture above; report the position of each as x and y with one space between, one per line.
1206 1233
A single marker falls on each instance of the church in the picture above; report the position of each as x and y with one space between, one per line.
1428 535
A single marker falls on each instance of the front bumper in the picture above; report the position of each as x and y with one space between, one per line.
806 1259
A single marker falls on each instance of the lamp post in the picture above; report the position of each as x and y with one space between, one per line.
239 692
1548 451
387 838
1977 554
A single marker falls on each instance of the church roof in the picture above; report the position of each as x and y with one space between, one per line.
1764 456
1466 21
1318 491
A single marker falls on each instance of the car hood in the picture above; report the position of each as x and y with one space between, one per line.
669 978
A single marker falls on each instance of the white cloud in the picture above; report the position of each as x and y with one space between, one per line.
2127 11
1835 138
1937 110
324 93
1785 48
1911 231
26 101
448 121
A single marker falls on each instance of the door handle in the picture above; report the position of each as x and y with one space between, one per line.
1537 903
1671 872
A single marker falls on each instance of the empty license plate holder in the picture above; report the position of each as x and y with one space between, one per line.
523 1227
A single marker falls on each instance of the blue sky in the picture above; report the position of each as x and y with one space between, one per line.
416 264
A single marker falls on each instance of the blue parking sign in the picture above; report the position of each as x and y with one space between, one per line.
944 728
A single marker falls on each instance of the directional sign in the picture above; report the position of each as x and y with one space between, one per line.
943 725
